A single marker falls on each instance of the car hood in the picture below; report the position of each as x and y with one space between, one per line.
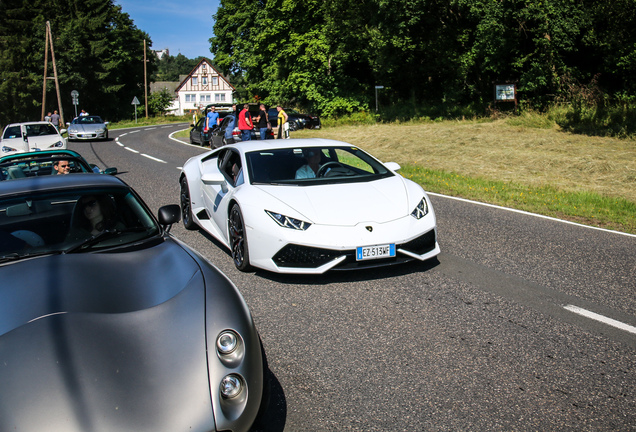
35 142
102 342
378 201
86 127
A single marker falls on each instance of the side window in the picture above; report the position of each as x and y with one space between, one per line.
230 165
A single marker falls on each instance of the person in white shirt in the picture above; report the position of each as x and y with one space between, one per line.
309 170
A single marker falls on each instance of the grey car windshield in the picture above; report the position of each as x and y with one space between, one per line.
87 120
72 221
316 165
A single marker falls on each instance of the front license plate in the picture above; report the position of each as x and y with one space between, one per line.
374 252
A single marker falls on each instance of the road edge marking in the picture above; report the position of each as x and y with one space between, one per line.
600 318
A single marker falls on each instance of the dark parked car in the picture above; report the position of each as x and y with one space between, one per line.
111 324
296 120
197 134
229 133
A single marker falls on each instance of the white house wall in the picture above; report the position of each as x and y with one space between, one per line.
203 86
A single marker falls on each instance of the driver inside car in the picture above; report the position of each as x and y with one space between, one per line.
309 170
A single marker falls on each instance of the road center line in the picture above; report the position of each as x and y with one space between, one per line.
131 150
153 158
605 320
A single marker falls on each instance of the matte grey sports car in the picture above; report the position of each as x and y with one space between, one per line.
108 323
87 128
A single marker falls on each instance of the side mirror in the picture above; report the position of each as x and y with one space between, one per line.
106 123
62 131
110 171
393 166
169 215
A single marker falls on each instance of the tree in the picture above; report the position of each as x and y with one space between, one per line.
98 50
160 101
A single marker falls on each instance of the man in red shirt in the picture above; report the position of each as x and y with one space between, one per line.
245 124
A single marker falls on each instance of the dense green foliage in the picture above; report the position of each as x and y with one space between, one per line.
170 68
98 51
329 55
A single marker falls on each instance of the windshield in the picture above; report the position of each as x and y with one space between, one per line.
72 221
40 129
87 120
316 165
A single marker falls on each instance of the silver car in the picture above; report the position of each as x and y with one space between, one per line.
109 323
31 136
87 128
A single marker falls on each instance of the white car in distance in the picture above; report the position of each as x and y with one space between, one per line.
31 136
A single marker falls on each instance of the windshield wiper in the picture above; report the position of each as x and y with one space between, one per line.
14 256
97 238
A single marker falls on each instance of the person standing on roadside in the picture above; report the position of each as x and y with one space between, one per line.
282 123
55 119
47 117
245 124
212 118
262 121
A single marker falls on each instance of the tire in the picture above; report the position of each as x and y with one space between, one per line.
238 240
293 126
186 208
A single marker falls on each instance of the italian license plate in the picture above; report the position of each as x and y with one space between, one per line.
375 252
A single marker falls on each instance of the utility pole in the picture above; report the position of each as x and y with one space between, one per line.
49 42
145 80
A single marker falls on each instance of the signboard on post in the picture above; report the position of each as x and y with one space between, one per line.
75 96
376 96
506 93
135 102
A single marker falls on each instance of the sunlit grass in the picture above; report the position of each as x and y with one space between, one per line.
584 207
524 162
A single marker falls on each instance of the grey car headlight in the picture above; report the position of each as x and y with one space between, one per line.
288 222
226 342
420 210
231 386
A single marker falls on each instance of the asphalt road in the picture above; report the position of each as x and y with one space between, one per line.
480 339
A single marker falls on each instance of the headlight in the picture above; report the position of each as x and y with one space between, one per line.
58 144
421 210
226 342
288 222
7 149
231 386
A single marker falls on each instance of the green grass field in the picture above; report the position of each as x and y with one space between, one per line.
531 166
526 163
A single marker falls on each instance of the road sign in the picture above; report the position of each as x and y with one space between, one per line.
135 101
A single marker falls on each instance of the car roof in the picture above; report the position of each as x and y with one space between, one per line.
58 182
259 145
41 154
27 123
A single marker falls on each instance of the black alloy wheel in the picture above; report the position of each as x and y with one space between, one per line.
238 240
186 208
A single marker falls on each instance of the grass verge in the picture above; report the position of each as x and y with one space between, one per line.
527 163
583 207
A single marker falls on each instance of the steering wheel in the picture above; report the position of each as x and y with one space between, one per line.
323 169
